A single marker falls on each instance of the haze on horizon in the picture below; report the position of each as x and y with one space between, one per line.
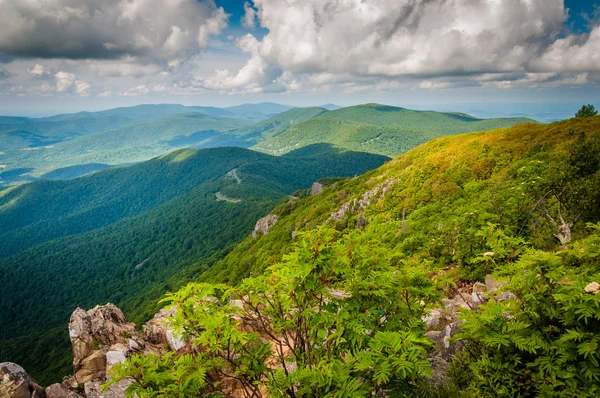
538 58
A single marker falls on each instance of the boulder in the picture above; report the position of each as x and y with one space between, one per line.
479 293
446 348
117 353
101 326
158 330
264 225
316 188
94 389
15 382
92 368
60 391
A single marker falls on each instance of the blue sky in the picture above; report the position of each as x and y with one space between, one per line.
496 54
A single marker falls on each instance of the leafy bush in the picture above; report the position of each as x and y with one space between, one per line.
332 319
546 341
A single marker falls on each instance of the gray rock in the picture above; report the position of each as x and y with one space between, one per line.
15 382
316 188
60 391
264 225
506 296
94 389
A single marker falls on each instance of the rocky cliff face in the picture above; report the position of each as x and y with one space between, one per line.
100 337
264 225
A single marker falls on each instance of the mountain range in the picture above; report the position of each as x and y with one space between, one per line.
73 145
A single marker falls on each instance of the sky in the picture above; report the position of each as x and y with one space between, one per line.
484 56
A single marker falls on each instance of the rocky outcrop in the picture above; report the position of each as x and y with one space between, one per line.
158 331
103 325
101 338
59 391
15 382
377 193
264 225
316 188
444 323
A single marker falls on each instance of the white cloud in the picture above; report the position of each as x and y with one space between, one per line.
135 91
64 81
249 18
125 67
37 70
82 88
370 42
107 29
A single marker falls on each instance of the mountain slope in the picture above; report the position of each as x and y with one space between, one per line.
441 195
379 129
127 144
351 279
277 124
127 235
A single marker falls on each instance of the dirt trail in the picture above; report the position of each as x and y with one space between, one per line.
220 196
233 173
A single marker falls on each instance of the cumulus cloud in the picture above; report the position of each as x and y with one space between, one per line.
135 91
38 70
82 88
64 81
107 29
249 18
340 41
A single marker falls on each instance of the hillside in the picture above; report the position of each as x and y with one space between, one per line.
385 249
436 184
378 129
129 234
35 146
277 124
133 143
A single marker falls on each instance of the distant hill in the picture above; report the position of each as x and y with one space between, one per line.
32 148
23 132
258 111
379 129
129 234
134 143
277 124
330 107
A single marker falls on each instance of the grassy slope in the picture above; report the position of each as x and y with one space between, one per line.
80 242
277 124
378 129
446 191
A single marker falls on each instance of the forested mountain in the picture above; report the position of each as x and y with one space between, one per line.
129 234
127 144
27 145
277 124
379 129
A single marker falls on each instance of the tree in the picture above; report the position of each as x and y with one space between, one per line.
587 111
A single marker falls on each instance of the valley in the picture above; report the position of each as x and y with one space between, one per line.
74 243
